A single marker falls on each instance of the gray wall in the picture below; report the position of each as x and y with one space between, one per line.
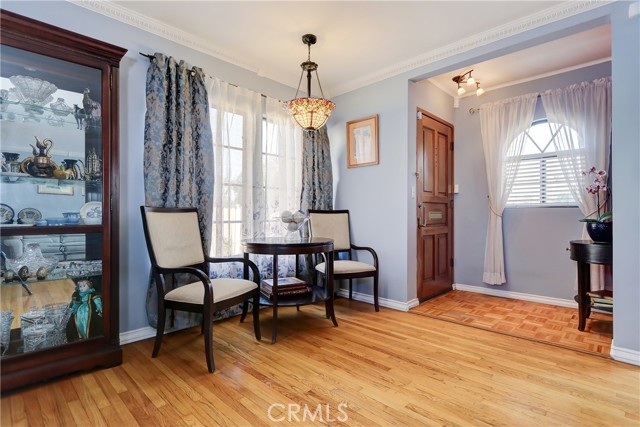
375 195
535 239
625 161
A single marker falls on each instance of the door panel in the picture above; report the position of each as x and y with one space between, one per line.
434 150
427 162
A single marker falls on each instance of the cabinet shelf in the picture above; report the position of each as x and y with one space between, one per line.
19 177
32 230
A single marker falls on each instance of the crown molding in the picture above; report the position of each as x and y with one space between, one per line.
547 16
145 23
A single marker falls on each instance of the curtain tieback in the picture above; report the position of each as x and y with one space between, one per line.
494 212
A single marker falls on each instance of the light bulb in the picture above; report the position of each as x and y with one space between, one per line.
471 81
479 91
461 90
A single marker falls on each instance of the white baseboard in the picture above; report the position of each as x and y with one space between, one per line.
137 335
624 354
384 302
517 295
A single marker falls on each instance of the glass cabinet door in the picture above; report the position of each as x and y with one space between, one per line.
51 202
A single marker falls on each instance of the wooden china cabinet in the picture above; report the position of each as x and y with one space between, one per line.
59 202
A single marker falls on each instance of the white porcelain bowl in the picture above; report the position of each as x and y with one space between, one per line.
92 220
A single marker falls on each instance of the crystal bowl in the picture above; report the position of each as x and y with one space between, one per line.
33 90
292 222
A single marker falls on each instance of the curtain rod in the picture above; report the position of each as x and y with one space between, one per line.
152 57
474 110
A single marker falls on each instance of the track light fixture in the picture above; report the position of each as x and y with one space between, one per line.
467 79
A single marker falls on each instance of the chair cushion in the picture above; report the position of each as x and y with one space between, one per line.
347 267
223 289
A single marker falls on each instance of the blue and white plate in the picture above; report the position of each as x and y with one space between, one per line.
6 214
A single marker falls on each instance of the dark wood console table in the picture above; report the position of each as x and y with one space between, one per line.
586 252
277 246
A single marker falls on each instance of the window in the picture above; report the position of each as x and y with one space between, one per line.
539 180
258 161
227 220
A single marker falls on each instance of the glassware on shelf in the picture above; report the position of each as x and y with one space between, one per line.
33 90
32 317
6 319
33 259
57 315
37 337
61 108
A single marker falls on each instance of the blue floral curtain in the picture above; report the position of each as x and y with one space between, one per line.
317 182
317 176
178 152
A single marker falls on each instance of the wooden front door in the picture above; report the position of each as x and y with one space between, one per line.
434 194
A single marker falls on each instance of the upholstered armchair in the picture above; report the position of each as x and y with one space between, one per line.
335 225
175 246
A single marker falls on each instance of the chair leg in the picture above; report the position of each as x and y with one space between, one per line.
256 315
245 309
159 332
375 292
208 338
350 288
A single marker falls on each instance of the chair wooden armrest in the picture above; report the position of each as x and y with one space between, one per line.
368 249
254 268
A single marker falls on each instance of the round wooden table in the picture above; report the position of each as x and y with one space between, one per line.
277 246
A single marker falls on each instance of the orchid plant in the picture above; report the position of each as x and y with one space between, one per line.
597 186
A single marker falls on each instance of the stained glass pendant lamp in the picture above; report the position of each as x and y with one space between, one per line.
310 113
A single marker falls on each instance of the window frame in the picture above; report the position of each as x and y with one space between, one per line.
544 158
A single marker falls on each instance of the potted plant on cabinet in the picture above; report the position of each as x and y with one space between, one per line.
600 228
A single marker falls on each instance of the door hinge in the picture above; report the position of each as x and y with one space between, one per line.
419 115
451 262
451 145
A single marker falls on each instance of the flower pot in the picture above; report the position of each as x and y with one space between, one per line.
600 232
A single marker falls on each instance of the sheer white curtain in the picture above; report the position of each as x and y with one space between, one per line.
502 124
586 108
282 162
236 116
257 165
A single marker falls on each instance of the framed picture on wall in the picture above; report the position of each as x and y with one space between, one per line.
362 142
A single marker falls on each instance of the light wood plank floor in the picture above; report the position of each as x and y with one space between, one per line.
377 369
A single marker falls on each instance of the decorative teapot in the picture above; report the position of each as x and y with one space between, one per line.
40 164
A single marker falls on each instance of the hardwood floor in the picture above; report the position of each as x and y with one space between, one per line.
386 368
545 323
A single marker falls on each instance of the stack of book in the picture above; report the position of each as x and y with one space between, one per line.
287 287
601 299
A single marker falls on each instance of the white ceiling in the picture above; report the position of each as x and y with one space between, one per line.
360 42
